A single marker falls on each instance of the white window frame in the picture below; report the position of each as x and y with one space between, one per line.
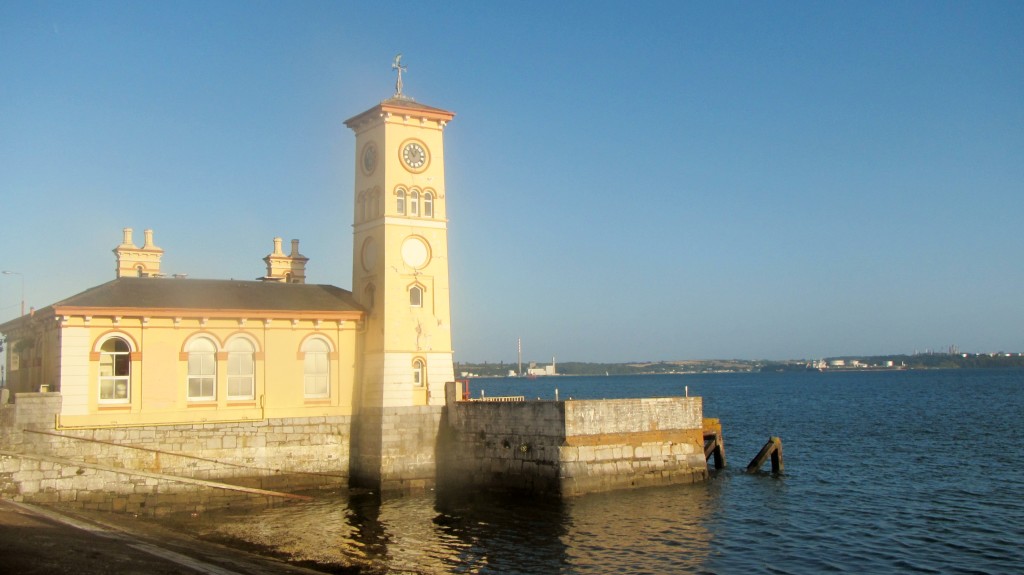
414 203
428 205
400 204
316 368
241 369
419 372
205 362
113 381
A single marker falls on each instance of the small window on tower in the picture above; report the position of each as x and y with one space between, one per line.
401 201
371 293
414 203
428 205
416 296
419 373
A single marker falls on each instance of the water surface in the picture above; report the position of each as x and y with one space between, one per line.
886 472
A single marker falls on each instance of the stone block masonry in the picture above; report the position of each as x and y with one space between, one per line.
395 448
58 482
286 453
567 448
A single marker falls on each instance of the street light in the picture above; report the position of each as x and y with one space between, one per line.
10 273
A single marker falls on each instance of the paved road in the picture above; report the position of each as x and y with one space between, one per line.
35 540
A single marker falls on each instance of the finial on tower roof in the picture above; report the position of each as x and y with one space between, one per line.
397 65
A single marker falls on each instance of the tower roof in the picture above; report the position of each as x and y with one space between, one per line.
401 105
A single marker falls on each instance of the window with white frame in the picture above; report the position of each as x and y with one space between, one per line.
400 194
414 203
115 371
316 367
419 372
202 370
428 205
241 369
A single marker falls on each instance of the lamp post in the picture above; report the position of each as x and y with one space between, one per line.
10 273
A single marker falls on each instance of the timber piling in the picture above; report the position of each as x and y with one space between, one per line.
771 449
713 442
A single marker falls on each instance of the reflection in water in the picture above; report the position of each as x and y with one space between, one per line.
657 530
944 498
650 530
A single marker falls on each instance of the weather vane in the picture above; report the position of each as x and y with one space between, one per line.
397 65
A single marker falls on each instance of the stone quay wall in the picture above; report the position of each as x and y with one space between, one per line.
622 443
396 448
567 448
50 481
286 453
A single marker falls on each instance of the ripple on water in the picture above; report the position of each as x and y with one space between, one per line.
886 472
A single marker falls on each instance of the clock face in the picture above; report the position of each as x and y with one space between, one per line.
369 158
415 156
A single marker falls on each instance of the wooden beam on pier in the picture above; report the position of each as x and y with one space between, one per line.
771 449
713 442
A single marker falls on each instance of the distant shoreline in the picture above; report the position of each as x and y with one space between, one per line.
855 364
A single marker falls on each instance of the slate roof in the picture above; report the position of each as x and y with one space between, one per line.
184 294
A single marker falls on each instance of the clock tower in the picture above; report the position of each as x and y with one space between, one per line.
400 275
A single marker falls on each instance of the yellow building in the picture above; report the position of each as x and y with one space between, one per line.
149 350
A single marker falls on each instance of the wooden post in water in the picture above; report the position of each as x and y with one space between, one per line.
774 449
713 442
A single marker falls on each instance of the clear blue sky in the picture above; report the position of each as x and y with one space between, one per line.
626 180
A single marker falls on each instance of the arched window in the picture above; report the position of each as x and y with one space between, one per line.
428 205
371 295
374 204
419 372
115 371
414 203
202 370
241 369
316 367
401 201
361 208
138 271
416 296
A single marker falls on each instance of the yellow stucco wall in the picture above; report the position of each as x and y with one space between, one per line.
159 370
395 251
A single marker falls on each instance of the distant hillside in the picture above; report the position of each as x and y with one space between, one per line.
919 361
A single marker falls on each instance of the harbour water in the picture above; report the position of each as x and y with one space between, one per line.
886 472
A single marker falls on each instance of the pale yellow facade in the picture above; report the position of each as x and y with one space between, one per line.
386 344
400 261
158 391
